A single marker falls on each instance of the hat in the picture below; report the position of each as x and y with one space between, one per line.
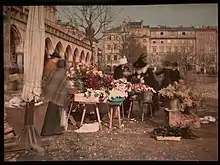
123 61
141 61
55 55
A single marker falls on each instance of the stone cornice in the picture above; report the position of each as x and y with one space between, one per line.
50 27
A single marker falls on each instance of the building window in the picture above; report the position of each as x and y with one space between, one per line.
161 33
112 38
169 49
183 33
109 47
190 48
161 49
154 42
115 57
109 58
176 48
161 42
154 49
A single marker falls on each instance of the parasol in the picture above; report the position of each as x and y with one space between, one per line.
34 46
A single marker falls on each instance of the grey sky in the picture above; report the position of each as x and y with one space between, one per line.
172 15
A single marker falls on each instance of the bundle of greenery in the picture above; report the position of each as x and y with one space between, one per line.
177 131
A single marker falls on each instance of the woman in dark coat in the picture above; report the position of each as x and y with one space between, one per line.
146 76
55 88
119 73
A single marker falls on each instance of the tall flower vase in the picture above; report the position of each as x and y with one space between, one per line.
174 104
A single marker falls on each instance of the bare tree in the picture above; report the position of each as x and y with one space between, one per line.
91 19
130 48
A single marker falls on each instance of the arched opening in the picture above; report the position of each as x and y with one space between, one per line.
59 48
76 56
68 57
48 50
82 57
15 44
108 69
87 57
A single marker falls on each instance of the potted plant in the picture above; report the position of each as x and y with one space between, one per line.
176 94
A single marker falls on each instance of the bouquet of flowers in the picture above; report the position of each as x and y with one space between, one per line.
120 89
180 91
138 88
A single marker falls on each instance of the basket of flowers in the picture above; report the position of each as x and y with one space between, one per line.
143 92
179 96
119 91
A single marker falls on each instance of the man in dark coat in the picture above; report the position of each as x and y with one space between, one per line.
166 71
175 74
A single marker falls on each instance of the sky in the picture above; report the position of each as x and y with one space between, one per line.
171 15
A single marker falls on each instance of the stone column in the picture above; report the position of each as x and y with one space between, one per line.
20 61
7 30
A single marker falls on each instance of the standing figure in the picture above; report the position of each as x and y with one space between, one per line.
120 69
175 75
121 72
56 87
146 76
51 64
166 71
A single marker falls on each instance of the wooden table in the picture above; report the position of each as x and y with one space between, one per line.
112 106
84 112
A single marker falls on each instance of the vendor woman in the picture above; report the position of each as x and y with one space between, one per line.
146 76
122 72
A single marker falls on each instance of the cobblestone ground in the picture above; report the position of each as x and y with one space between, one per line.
133 141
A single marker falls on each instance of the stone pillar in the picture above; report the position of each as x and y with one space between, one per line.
7 31
20 57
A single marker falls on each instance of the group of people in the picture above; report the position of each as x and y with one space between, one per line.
56 85
148 76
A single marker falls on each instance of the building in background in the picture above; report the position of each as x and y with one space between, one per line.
70 43
197 45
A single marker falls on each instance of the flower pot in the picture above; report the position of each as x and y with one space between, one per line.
146 97
174 104
168 138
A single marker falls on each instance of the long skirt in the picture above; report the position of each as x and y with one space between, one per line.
52 120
